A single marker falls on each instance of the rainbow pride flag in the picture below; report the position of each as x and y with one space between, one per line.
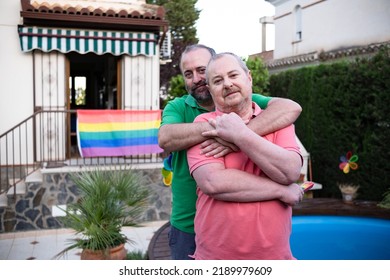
117 132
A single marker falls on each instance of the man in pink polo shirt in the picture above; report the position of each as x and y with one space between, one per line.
246 229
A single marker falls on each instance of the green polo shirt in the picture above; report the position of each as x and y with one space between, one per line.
184 110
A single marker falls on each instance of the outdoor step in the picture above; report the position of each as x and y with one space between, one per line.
20 187
35 177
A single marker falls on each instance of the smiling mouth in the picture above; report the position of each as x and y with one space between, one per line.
199 87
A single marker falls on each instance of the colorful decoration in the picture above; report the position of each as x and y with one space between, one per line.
348 162
167 171
118 132
307 186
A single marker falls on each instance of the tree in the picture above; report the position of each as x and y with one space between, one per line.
182 16
260 75
176 89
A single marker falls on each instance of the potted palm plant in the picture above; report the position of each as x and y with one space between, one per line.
109 200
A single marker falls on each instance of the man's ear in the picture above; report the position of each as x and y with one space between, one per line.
250 76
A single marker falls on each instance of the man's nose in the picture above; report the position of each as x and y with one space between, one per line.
227 83
198 77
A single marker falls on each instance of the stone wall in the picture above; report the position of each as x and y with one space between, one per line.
37 207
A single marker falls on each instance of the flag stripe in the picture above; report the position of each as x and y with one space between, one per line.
128 150
118 115
118 134
90 143
107 126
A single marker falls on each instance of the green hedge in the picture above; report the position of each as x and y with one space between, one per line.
345 108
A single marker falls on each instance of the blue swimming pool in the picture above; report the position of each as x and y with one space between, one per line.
340 238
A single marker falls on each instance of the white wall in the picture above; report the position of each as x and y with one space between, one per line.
16 93
330 25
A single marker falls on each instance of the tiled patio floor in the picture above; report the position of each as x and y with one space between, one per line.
45 244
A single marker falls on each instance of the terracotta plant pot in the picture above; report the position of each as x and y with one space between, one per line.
117 253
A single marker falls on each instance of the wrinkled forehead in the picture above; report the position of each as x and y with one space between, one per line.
221 65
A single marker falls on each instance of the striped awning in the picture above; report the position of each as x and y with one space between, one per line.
84 41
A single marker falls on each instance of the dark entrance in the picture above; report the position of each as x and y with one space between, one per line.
93 84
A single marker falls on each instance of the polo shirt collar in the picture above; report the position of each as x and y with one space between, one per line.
255 107
191 101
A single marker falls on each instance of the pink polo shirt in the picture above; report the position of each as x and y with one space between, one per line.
234 230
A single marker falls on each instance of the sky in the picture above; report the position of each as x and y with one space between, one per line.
234 26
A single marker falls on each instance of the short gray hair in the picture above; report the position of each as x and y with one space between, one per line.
240 61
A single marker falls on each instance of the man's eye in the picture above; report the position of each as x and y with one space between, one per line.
217 82
188 75
201 71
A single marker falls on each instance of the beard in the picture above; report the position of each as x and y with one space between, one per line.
201 94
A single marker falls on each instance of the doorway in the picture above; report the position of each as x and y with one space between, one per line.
93 84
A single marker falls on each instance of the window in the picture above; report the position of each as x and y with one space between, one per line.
298 23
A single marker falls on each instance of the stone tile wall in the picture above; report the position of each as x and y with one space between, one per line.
34 209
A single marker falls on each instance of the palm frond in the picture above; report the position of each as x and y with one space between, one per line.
109 200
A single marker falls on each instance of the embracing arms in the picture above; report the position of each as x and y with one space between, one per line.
180 136
281 165
239 186
280 113
277 154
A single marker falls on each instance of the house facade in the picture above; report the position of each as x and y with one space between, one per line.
76 54
309 32
59 56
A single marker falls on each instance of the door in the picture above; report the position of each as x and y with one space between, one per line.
92 84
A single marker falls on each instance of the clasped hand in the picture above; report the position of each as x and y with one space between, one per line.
221 138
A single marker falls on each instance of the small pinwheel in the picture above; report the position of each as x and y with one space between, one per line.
348 162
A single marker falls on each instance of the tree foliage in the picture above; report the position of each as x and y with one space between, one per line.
176 89
182 16
260 76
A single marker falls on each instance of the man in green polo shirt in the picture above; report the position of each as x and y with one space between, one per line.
178 132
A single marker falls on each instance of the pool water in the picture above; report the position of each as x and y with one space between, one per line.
340 238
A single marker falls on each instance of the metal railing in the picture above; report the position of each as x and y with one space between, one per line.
48 139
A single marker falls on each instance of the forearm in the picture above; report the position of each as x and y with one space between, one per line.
280 113
268 153
239 186
181 136
278 163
